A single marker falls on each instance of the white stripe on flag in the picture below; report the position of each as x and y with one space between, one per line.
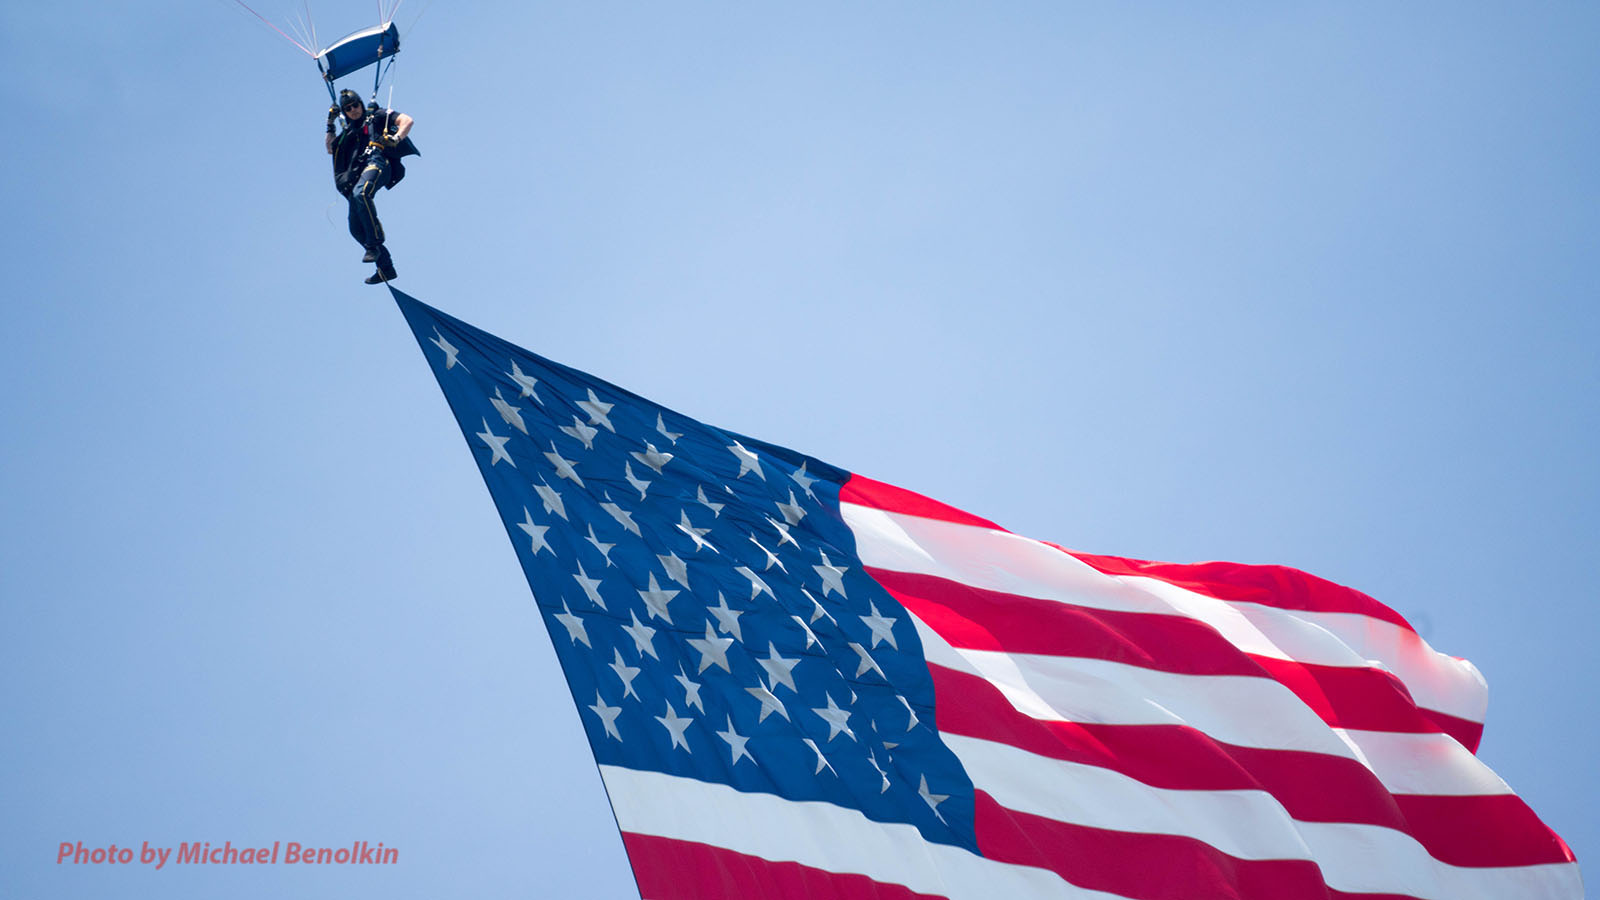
1424 764
819 835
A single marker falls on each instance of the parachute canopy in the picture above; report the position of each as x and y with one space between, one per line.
358 50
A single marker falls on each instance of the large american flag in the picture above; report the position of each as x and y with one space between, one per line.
799 682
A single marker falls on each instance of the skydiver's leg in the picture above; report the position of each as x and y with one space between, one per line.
385 261
357 221
364 222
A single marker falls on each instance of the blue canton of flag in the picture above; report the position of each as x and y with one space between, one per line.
702 591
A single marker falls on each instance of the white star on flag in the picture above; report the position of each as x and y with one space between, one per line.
511 414
676 727
551 499
933 800
676 568
574 626
792 511
873 759
643 636
757 585
772 558
700 497
450 351
497 445
652 457
564 467
623 517
868 664
591 586
882 626
817 612
727 619
713 650
747 461
627 673
736 743
608 715
691 689
638 484
779 669
536 532
910 712
811 636
832 577
580 432
805 481
698 535
769 702
597 411
838 719
525 382
655 600
822 761
783 532
602 546
661 426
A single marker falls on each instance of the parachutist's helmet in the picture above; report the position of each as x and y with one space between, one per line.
349 98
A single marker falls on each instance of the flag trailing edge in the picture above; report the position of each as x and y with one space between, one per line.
797 681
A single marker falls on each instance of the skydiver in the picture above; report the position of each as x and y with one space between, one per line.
366 156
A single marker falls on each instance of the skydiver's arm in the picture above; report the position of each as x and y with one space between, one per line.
402 126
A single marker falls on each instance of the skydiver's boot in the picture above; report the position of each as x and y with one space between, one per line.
372 254
382 275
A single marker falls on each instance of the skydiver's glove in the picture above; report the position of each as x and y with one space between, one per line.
386 141
333 113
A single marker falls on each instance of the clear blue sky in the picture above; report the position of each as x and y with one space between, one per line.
1302 286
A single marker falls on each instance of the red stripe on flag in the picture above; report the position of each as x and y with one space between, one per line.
669 869
1466 732
1138 865
1497 830
979 619
1346 697
1275 586
879 495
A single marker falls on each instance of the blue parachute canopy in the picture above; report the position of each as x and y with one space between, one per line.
358 50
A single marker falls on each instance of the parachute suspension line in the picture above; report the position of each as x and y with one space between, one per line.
312 22
389 64
300 31
389 17
303 48
414 22
328 83
379 69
